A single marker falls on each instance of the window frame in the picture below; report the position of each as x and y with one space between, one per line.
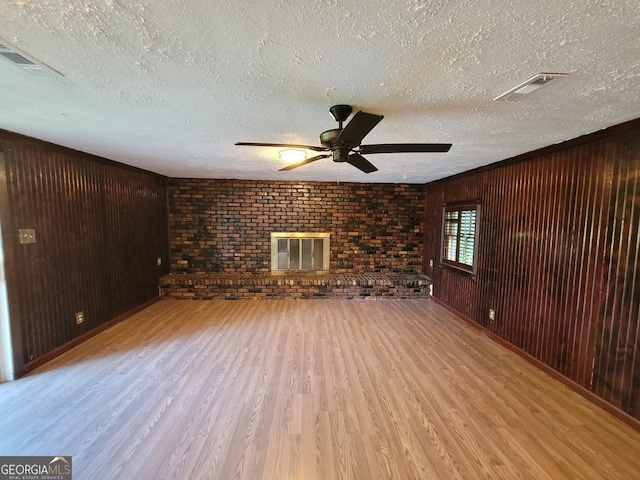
324 236
460 207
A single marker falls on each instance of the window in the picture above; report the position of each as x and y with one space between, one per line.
306 252
459 236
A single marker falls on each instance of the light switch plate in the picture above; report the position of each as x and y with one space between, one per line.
27 235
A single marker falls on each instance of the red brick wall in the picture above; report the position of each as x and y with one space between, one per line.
225 225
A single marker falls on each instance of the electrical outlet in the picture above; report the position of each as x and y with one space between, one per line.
79 318
159 261
431 262
492 314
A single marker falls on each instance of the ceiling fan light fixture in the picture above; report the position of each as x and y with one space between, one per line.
293 155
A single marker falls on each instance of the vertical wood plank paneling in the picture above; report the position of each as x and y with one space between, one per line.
558 258
458 289
99 228
434 199
617 359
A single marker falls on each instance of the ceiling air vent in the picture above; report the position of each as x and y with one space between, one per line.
531 85
14 57
21 61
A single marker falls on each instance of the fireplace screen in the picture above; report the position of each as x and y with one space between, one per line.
308 252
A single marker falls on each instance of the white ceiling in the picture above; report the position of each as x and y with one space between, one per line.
171 86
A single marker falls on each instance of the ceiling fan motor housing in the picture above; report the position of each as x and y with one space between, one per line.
328 137
340 154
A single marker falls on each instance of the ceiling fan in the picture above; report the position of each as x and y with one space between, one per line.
343 144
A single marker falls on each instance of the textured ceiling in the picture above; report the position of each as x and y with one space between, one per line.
171 86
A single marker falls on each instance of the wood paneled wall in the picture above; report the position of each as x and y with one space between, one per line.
557 258
99 226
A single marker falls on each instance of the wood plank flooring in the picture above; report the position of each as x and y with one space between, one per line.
307 389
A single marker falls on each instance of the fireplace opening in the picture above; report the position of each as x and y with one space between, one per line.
306 252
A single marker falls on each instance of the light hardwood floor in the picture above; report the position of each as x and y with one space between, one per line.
307 389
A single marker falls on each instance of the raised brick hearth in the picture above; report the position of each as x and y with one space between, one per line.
246 285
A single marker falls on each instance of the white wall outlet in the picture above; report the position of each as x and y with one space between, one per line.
159 261
79 318
492 314
431 262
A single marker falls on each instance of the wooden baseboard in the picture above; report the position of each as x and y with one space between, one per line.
84 337
579 389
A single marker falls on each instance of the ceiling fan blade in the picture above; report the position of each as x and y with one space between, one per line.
361 124
303 162
282 145
360 162
405 147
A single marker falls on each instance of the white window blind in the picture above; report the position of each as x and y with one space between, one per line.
459 235
467 236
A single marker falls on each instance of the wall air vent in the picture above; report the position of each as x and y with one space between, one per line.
21 61
529 86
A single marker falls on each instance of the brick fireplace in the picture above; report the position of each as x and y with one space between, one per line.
221 239
225 225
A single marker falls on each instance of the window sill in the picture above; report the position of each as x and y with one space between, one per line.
460 270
